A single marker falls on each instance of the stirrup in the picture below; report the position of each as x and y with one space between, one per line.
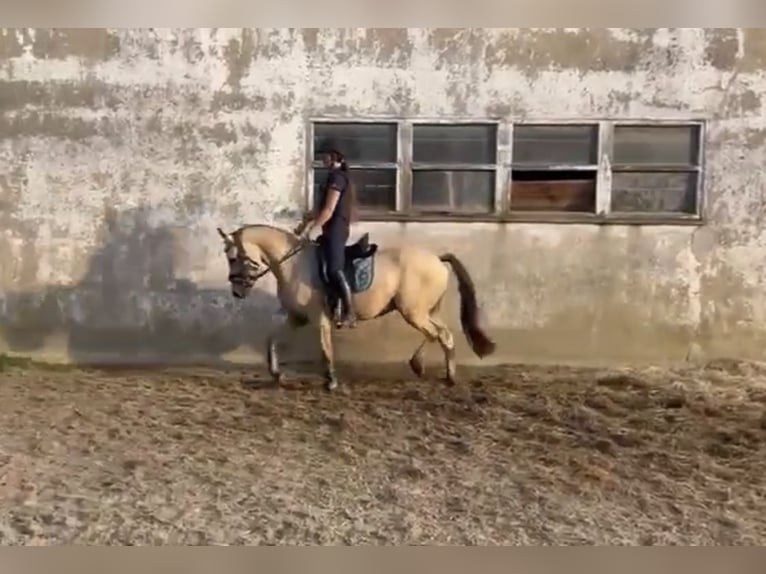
346 322
343 318
337 313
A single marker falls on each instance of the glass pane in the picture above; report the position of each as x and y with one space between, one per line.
358 142
463 191
559 191
375 188
654 192
573 145
435 143
672 145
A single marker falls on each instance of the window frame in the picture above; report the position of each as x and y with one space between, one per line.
698 168
413 166
554 167
602 214
364 215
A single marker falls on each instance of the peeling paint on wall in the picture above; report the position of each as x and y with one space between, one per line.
121 151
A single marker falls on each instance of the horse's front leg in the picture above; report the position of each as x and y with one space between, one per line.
277 337
325 339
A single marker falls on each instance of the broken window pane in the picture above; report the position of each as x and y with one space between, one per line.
554 191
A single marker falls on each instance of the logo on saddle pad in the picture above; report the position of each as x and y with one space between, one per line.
360 264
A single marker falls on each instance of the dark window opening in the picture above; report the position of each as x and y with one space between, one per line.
554 190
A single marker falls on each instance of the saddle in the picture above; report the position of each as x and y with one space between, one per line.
359 268
361 249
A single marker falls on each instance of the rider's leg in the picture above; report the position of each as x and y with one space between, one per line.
336 238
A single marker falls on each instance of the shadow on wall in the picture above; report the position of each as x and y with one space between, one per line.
129 307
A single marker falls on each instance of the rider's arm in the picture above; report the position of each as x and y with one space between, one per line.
333 195
335 187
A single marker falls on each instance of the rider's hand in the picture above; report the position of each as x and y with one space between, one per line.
305 220
304 232
301 228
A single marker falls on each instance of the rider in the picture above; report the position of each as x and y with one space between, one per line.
334 213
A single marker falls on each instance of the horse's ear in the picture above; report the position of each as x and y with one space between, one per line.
223 234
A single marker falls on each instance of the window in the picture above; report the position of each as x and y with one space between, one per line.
453 168
555 168
371 153
496 171
655 169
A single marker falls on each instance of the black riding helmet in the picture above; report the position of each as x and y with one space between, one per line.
331 147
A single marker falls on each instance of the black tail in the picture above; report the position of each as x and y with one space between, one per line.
481 344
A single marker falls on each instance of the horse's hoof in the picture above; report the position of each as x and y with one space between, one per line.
249 380
417 367
277 379
331 384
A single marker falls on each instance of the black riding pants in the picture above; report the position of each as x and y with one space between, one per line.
333 243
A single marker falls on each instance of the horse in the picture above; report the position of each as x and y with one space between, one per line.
408 279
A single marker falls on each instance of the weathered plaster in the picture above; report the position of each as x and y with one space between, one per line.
122 150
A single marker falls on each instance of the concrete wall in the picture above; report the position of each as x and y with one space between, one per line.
121 151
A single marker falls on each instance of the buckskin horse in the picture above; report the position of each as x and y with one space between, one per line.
408 279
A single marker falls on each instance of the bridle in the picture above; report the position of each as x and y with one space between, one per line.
250 273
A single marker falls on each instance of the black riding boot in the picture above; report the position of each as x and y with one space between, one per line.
344 296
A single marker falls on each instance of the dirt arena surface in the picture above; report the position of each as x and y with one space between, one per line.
513 455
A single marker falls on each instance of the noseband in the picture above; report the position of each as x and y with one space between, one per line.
250 274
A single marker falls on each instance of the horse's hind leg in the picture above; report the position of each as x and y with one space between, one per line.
447 342
434 330
416 362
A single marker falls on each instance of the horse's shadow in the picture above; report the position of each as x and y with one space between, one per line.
135 302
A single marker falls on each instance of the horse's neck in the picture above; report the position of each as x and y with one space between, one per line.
275 245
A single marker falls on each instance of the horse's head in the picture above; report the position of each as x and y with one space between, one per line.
244 267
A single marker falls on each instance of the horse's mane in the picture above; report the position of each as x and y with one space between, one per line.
290 236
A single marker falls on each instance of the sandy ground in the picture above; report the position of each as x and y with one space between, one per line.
513 455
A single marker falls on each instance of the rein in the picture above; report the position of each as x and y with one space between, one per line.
269 269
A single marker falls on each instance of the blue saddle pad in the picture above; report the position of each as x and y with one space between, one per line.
360 265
